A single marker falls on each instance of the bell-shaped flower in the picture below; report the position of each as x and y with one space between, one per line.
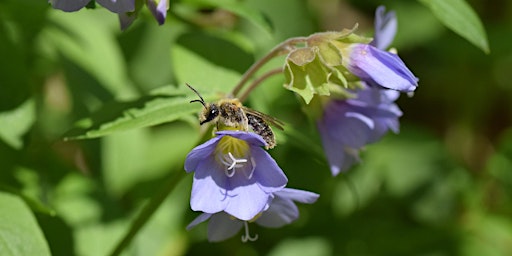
379 67
234 174
375 66
348 125
282 211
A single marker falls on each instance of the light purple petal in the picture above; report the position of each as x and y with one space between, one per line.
246 198
126 19
222 227
383 68
385 28
267 173
281 212
69 5
348 128
297 195
337 156
118 6
198 220
159 10
209 188
200 153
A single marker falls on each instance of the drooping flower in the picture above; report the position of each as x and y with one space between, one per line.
378 67
375 66
282 211
348 125
344 58
232 173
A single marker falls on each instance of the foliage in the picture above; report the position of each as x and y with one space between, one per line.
95 125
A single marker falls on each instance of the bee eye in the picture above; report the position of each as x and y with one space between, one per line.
212 113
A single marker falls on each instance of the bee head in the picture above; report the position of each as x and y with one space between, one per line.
210 111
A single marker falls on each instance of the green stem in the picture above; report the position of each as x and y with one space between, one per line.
258 81
280 49
148 211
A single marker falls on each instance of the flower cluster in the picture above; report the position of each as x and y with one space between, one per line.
236 181
347 125
354 81
126 9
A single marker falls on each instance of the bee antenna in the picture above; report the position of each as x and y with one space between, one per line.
200 101
201 98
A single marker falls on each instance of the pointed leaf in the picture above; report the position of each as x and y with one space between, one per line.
145 111
458 16
19 232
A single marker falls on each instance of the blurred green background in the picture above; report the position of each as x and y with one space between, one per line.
440 187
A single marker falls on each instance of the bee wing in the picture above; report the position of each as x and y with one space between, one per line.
267 118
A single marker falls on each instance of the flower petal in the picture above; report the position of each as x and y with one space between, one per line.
198 220
385 28
209 188
118 6
297 195
267 173
222 227
126 19
281 212
246 198
159 10
337 156
69 5
200 153
383 68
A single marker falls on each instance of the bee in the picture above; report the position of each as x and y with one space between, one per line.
230 114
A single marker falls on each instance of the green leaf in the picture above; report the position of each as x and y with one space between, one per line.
16 123
19 232
458 16
145 111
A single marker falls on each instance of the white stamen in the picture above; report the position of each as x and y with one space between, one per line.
233 163
247 237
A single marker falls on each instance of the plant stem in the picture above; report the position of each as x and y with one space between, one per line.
281 48
258 81
148 211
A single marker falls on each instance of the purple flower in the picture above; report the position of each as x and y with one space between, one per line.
348 125
232 173
116 6
159 9
377 67
282 211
